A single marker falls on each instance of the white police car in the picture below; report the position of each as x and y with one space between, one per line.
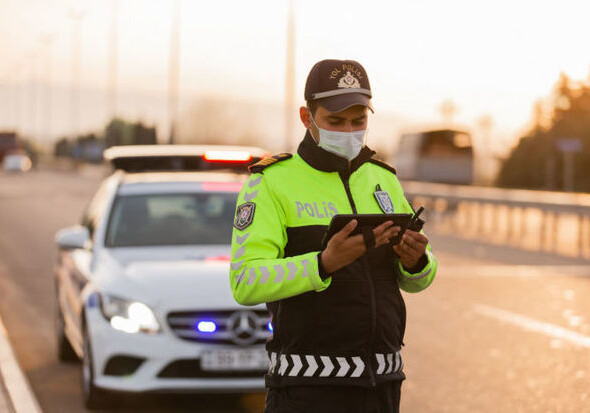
142 283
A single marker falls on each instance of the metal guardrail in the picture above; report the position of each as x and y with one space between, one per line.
551 222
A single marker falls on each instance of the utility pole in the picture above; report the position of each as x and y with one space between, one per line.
448 111
32 92
76 16
174 72
290 78
16 97
485 152
112 79
20 98
47 40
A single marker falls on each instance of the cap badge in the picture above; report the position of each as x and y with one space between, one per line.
349 81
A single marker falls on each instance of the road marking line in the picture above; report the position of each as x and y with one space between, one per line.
530 324
514 271
20 392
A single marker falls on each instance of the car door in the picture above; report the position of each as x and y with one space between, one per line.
76 267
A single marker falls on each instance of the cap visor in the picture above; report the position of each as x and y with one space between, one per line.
343 102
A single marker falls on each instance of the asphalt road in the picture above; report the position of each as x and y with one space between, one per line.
499 330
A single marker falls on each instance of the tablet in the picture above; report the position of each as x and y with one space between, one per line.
366 220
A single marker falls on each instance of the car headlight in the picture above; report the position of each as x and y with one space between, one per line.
128 316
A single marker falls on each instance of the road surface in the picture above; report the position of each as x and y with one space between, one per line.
499 330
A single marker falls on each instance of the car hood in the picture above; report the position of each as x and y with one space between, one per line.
169 279
126 256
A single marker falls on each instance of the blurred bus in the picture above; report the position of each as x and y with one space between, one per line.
443 155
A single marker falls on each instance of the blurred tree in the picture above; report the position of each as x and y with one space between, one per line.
143 135
540 118
61 148
117 132
120 132
538 161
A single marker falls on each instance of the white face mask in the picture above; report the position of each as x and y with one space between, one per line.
344 144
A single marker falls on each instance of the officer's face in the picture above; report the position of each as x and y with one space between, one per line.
352 119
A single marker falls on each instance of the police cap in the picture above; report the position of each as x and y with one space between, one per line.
338 84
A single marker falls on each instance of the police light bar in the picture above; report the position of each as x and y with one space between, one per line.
144 158
227 156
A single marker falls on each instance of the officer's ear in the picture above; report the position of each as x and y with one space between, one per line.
305 116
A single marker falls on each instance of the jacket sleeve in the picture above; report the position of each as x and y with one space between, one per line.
258 271
413 283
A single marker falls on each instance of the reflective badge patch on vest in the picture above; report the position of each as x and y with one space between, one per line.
244 215
383 200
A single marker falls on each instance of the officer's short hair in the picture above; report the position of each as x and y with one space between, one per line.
313 106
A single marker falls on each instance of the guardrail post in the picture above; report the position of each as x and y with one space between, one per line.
543 230
581 249
481 227
554 232
462 220
509 226
477 219
523 226
495 221
516 232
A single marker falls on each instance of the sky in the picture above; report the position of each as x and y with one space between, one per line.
493 58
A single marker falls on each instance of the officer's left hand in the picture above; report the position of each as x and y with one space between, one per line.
411 248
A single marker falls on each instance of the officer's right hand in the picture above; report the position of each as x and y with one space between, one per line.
343 249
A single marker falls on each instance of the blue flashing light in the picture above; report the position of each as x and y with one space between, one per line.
93 300
269 326
206 326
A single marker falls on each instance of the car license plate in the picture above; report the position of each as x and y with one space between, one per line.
238 359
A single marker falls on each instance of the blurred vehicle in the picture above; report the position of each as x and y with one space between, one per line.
8 143
444 155
17 162
143 291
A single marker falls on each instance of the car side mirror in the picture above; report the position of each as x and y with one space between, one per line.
77 237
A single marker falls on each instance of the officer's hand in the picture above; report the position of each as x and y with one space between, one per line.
343 249
411 248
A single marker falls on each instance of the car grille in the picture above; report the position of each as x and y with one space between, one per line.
241 327
191 369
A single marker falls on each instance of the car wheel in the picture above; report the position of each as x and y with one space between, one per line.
94 397
65 352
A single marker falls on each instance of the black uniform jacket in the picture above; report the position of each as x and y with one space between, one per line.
351 333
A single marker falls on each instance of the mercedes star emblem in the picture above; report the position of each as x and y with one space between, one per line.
242 326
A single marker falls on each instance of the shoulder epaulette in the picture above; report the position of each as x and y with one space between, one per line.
383 165
266 162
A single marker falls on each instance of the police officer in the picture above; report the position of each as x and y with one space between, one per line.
337 312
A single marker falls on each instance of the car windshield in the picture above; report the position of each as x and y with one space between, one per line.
171 219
